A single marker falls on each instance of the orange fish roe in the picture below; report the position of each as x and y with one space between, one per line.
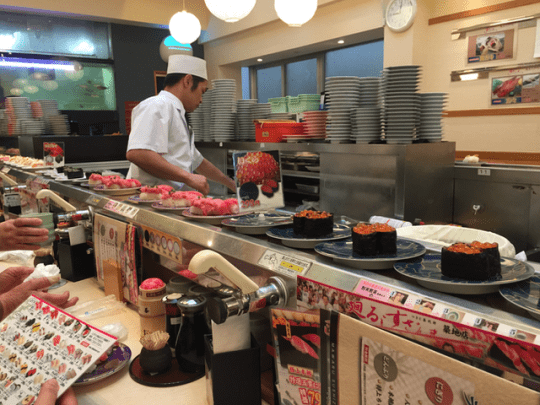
364 229
313 214
379 227
464 248
484 245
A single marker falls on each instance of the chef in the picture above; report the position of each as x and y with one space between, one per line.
161 145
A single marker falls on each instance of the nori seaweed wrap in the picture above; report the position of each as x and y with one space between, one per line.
464 261
312 224
386 238
364 240
492 250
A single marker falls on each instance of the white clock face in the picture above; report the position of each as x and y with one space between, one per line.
400 14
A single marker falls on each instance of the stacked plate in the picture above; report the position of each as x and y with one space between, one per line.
206 108
18 110
369 91
59 124
401 103
315 124
431 114
243 118
223 106
366 124
342 95
196 120
259 111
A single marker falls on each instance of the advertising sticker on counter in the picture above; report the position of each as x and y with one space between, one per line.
522 88
258 181
53 154
492 44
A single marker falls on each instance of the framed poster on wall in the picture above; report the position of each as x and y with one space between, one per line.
159 80
492 44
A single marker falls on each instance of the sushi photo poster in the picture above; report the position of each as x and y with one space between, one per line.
297 342
493 43
54 154
258 181
516 89
39 342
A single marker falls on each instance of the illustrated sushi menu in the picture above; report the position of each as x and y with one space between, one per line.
39 342
389 376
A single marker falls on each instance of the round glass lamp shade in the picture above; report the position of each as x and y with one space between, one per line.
230 10
295 12
170 46
185 27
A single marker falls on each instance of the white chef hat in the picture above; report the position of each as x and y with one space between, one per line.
188 65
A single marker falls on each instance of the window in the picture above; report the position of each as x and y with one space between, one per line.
365 60
301 77
268 83
305 76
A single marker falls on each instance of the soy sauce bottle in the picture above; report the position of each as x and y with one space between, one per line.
190 341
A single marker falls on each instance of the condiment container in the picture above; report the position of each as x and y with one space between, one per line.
190 341
151 306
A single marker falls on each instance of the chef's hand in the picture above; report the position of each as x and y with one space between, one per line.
199 183
13 291
20 234
49 392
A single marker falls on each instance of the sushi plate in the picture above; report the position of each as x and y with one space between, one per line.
427 272
138 200
211 219
158 205
342 252
289 238
117 191
257 224
525 294
117 360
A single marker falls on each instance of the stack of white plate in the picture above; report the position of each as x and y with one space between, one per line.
244 120
315 124
260 111
401 103
32 126
223 109
196 120
343 94
59 124
366 124
369 91
431 114
18 110
206 108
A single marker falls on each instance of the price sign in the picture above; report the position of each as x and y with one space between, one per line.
123 209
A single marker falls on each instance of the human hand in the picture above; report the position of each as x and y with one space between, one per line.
49 392
199 183
20 234
14 291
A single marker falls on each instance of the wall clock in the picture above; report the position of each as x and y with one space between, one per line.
400 14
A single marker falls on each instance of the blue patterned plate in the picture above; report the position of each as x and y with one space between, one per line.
289 238
342 253
257 224
525 294
427 272
116 361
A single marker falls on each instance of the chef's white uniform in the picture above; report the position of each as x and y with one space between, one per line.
159 124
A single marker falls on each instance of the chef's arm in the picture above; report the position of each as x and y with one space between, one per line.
211 172
156 165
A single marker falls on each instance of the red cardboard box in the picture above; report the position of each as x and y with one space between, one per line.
273 131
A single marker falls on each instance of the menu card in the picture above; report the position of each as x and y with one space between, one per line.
39 342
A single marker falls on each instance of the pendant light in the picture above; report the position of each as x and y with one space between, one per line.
230 10
185 27
295 12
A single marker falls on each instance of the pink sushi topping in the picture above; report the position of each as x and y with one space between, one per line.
152 284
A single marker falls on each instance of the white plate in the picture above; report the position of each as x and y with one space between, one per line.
119 191
257 224
211 219
137 200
